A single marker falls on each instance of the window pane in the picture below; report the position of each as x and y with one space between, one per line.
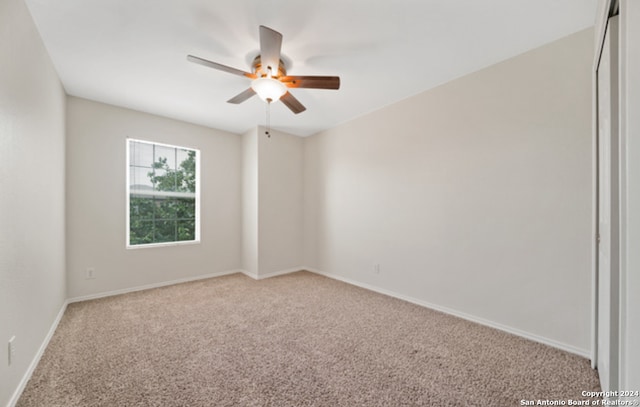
141 232
186 230
139 179
163 180
186 208
141 154
160 177
166 155
141 208
189 170
165 231
166 209
182 155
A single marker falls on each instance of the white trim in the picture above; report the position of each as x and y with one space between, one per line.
249 274
150 286
127 202
602 18
162 194
629 372
280 272
594 213
527 335
182 280
163 244
273 273
604 10
36 359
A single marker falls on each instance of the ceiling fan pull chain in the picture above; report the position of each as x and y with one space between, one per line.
268 121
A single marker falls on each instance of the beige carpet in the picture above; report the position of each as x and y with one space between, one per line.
294 340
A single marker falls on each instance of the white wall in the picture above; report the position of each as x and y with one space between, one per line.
32 192
250 202
280 202
474 196
272 203
96 140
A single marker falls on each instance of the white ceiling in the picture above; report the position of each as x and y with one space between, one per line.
132 53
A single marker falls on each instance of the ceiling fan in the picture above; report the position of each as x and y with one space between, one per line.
269 75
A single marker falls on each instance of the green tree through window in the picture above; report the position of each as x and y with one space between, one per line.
162 193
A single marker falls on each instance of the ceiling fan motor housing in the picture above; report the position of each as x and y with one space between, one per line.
256 67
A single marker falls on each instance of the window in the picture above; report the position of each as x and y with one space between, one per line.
163 194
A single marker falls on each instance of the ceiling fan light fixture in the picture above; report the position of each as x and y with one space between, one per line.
269 89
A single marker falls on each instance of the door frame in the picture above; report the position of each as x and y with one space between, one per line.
606 9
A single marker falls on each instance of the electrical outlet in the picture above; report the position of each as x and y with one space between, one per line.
90 273
376 268
12 350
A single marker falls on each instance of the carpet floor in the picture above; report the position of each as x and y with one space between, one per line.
294 340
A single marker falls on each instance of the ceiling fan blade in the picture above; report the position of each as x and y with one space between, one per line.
312 82
270 45
292 103
241 97
215 65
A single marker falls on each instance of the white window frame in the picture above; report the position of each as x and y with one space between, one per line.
160 193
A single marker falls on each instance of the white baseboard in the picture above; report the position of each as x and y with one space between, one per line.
280 272
150 286
250 274
271 274
536 338
36 359
181 280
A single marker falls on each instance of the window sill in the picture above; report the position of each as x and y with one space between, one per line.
165 244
